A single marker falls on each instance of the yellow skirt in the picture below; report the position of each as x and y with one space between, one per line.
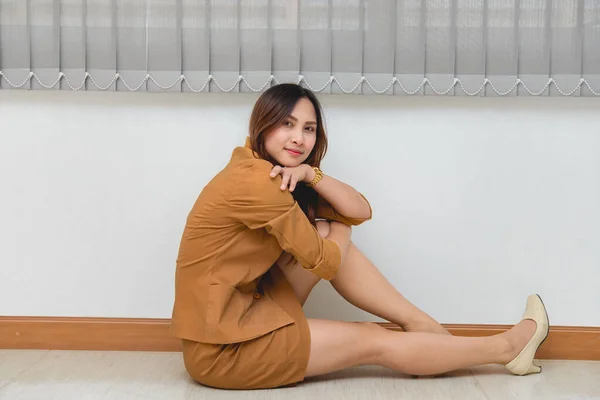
278 358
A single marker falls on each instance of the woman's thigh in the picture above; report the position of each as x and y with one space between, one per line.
278 358
301 280
336 345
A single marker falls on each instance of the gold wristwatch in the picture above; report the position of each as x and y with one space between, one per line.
317 178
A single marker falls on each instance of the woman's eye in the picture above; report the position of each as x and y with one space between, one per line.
287 123
310 129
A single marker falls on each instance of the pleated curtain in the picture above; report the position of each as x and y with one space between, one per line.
390 47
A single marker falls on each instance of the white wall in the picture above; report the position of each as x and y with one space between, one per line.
477 202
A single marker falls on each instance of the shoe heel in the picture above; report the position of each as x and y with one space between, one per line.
534 369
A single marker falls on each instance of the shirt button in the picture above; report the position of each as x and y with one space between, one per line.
256 295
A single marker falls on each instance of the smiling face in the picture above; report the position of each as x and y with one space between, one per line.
291 143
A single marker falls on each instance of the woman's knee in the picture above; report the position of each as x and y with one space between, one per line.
300 279
376 334
336 345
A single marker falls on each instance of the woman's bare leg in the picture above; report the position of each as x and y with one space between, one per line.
301 280
337 345
361 284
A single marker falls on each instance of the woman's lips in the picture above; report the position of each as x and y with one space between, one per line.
293 152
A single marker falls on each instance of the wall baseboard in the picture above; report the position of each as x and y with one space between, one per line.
142 334
75 333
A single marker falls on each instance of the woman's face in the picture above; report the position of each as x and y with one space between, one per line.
291 143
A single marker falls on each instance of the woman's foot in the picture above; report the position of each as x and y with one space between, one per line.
526 338
517 338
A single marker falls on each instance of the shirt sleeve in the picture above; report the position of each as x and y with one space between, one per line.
256 200
326 211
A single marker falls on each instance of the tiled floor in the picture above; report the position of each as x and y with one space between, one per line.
65 375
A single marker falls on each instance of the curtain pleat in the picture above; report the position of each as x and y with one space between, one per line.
315 43
410 47
285 40
470 45
378 47
255 44
72 42
15 49
132 44
195 44
347 45
439 52
591 48
224 45
164 45
390 47
100 44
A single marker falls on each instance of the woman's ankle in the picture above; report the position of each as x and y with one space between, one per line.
517 338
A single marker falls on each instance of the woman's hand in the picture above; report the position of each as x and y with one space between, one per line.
293 175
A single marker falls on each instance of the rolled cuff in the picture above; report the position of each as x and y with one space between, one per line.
359 221
329 266
327 212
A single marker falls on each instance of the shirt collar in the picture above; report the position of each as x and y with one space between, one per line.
244 152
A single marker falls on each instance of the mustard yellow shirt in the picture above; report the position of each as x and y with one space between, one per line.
238 227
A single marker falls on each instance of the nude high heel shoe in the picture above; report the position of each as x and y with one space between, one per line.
524 363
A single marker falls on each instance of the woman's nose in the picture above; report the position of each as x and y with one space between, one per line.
297 138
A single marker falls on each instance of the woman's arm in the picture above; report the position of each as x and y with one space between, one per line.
344 198
255 200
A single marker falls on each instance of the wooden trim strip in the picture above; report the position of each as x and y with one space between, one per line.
142 334
59 333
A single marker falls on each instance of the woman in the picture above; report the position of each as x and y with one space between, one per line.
263 232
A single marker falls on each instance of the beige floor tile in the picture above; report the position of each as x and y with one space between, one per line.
14 362
100 375
559 380
381 383
65 375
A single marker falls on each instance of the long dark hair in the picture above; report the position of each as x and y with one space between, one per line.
271 110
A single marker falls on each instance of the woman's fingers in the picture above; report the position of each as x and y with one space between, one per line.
276 171
293 182
288 175
285 180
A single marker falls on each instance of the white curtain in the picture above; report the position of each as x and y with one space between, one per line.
392 47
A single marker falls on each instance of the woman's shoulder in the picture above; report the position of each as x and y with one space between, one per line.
245 163
249 167
251 178
244 157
